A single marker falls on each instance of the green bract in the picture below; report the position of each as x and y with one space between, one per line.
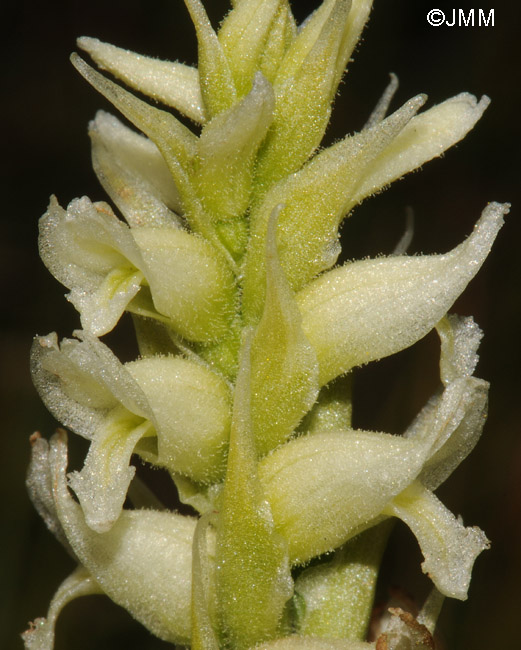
246 332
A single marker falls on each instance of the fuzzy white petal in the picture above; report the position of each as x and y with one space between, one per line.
134 173
370 309
170 82
426 136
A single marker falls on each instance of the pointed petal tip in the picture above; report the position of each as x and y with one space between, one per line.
87 43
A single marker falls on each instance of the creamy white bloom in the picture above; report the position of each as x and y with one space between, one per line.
362 475
169 410
143 563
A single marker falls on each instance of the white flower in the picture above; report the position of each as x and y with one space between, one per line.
169 410
362 475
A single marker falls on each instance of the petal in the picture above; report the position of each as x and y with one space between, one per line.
101 309
102 485
463 412
39 486
253 579
227 149
370 309
426 136
170 82
243 35
40 636
80 381
448 547
215 76
133 173
190 282
143 563
356 473
190 407
284 369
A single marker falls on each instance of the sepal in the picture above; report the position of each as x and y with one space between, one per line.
190 282
355 472
134 174
373 308
190 407
170 82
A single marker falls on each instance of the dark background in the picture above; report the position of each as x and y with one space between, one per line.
45 110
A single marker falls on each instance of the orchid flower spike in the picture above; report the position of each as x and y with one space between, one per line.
223 245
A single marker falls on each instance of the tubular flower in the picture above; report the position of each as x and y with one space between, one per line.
247 333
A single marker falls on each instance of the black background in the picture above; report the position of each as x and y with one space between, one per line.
45 110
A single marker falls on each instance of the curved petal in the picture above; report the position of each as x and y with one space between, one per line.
370 309
170 82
